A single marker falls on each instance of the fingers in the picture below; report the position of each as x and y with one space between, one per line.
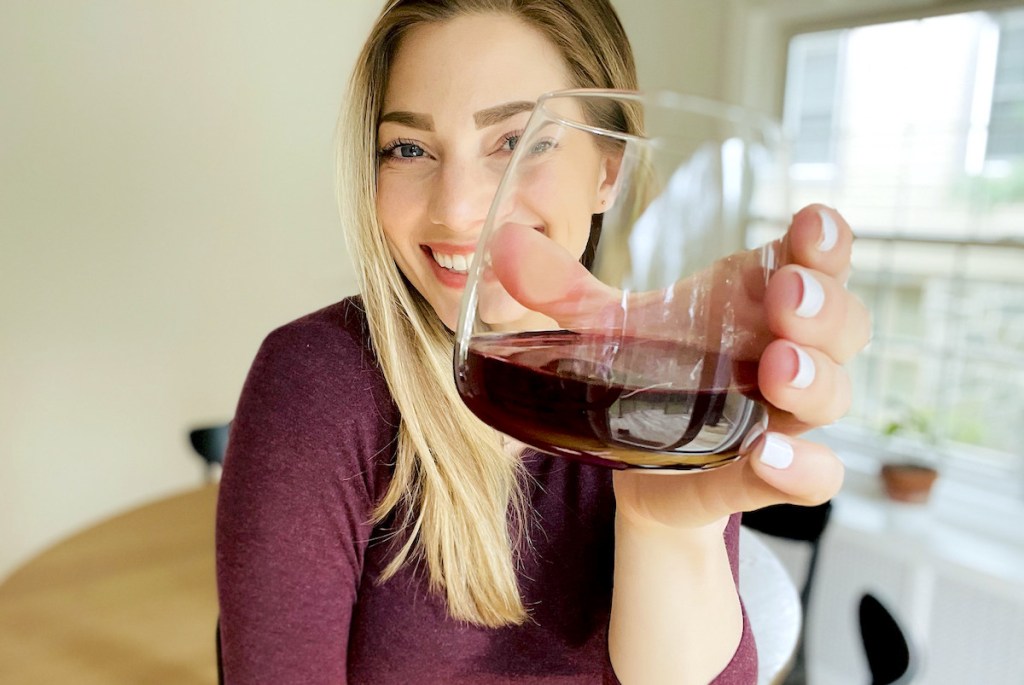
776 469
819 238
779 469
818 325
806 300
803 382
794 471
811 308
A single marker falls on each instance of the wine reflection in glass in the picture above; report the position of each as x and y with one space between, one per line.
612 313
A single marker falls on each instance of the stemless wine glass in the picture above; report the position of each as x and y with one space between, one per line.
612 313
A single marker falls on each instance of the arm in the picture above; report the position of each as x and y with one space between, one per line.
676 616
295 502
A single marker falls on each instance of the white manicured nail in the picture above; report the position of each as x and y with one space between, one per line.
777 452
751 438
813 297
829 231
804 369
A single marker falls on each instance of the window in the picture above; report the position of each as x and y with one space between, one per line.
1005 142
812 92
940 251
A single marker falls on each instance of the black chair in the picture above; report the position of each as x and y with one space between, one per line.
210 443
800 524
220 659
891 656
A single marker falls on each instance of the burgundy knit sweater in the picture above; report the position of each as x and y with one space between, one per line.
298 563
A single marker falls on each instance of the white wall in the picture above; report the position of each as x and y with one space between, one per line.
166 198
677 45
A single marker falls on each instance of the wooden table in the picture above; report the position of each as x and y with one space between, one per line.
131 600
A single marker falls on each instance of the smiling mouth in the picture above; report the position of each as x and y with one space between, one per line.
456 263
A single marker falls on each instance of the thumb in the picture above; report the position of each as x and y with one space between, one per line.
545 277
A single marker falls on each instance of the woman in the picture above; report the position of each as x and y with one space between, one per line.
371 530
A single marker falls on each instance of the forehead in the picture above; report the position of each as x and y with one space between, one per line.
472 62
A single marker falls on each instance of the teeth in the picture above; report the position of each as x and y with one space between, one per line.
459 263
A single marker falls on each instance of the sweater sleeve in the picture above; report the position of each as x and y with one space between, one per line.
742 668
305 464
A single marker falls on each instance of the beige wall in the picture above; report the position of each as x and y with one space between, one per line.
678 45
166 199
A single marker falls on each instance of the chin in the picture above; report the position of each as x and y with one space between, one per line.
447 313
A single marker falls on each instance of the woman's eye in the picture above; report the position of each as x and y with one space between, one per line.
407 151
401 150
541 146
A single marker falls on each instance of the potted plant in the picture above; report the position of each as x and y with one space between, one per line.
911 473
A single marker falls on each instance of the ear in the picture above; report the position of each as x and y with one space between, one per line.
608 181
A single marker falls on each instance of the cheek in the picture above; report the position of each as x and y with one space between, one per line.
564 199
400 206
391 210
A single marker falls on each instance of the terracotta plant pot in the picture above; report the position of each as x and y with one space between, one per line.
908 482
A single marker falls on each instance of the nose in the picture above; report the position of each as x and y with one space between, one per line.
462 195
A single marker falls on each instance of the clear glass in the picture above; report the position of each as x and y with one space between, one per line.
640 348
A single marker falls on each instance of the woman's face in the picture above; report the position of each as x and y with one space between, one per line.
458 97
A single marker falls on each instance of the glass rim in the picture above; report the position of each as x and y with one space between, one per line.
661 98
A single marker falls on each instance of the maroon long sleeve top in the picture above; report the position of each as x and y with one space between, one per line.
299 563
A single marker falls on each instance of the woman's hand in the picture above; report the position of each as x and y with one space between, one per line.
804 325
675 612
818 326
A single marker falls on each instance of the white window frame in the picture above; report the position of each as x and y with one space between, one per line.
961 483
1013 19
801 52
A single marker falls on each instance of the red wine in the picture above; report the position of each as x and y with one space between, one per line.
614 400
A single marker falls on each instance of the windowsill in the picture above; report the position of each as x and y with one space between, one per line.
960 524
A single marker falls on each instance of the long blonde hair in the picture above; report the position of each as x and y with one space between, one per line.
457 496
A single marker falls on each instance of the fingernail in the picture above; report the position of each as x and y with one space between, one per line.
804 369
777 452
813 296
752 436
829 231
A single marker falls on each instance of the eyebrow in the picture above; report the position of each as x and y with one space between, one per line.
498 113
423 122
483 118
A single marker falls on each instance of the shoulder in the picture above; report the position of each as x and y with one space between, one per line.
334 338
315 400
322 357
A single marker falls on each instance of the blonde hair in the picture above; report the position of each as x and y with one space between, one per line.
457 495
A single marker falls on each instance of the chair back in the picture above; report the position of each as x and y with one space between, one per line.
891 656
793 522
210 443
